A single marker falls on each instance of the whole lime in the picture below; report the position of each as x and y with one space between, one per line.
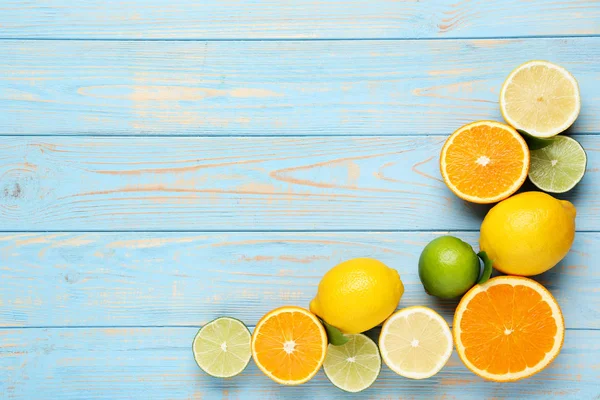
448 267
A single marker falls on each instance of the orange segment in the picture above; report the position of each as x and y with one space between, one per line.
508 328
289 345
484 162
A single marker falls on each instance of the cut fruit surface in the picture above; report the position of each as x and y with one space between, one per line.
558 167
353 366
289 345
508 328
540 98
415 342
222 347
484 162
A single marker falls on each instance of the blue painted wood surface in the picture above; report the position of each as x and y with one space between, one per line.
258 88
189 278
229 184
140 196
296 19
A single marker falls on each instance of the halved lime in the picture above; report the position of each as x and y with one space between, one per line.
558 167
353 366
222 347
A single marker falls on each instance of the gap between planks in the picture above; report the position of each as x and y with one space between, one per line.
265 231
171 327
233 136
283 39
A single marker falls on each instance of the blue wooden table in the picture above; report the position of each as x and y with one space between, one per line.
164 163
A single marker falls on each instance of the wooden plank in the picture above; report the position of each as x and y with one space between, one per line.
231 19
183 279
133 363
224 184
273 87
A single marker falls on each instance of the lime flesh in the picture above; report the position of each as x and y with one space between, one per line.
558 167
448 267
222 347
353 366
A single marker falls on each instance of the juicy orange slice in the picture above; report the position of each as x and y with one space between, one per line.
289 345
508 329
484 162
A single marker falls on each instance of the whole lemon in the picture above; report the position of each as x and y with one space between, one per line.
357 295
529 233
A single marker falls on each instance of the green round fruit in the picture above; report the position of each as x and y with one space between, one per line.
222 348
448 267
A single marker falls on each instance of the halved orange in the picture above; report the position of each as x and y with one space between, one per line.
484 162
289 345
508 329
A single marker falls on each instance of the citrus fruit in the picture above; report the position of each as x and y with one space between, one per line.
540 98
415 342
448 267
353 366
529 233
484 162
558 167
508 328
289 345
222 347
357 295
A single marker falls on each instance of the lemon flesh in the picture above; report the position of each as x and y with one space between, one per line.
540 98
222 347
357 295
353 366
416 342
528 234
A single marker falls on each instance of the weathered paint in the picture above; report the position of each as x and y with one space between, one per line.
224 184
258 88
183 279
157 363
104 315
297 19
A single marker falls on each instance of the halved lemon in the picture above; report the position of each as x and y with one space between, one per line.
540 98
415 342
289 345
484 162
507 329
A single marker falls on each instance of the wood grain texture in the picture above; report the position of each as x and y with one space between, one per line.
231 19
188 279
158 363
225 184
273 87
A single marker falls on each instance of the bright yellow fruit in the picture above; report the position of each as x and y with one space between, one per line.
357 295
529 233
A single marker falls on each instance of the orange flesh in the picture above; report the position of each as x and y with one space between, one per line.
498 310
501 152
302 358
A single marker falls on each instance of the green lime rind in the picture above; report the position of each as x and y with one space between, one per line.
534 142
558 167
448 267
354 366
334 335
222 348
